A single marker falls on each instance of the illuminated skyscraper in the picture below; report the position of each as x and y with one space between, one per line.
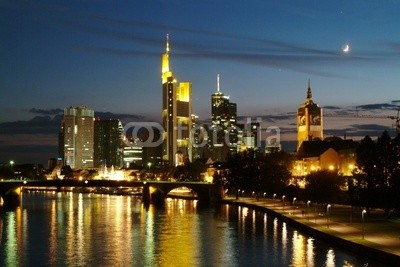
78 135
176 114
223 137
309 120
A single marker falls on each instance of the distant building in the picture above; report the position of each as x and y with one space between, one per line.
132 153
133 156
176 115
78 137
333 153
198 138
309 120
223 134
108 148
250 136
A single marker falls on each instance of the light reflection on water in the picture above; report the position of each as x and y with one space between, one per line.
66 229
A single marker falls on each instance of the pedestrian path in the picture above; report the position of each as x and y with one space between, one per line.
371 230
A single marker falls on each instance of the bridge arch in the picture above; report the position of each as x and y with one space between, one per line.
157 192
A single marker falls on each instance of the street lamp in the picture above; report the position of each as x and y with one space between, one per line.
294 200
149 165
308 207
327 212
283 200
363 222
12 169
274 196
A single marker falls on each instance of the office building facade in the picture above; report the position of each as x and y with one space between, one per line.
176 115
223 134
78 137
108 146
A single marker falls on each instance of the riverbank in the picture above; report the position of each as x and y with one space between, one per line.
370 234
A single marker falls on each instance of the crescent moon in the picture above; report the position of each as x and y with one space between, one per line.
346 48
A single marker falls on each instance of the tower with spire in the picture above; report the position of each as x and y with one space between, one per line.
223 137
309 120
176 114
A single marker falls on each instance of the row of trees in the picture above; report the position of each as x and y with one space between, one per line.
251 171
375 181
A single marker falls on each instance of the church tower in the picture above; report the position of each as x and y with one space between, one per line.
309 120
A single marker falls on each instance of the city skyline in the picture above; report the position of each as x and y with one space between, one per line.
106 57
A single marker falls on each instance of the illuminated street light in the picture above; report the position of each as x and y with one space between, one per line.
283 200
308 207
327 214
12 169
363 222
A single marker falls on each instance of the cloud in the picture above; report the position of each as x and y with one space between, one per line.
37 125
215 45
379 106
124 118
54 111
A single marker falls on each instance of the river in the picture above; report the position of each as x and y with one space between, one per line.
73 229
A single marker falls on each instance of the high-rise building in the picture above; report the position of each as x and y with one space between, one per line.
132 154
108 149
223 136
309 120
78 135
176 114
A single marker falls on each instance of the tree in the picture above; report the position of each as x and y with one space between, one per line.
67 172
275 172
323 186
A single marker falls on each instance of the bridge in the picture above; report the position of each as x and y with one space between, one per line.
153 191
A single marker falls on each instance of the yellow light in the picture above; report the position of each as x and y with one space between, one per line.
312 167
351 166
183 92
331 168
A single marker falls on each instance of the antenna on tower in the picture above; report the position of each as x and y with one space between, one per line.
217 82
167 47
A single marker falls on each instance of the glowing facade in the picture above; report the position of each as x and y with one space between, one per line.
176 114
309 120
78 136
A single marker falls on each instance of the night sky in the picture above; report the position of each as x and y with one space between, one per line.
106 55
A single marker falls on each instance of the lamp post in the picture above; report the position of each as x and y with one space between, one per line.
274 196
12 168
308 207
283 200
149 165
327 214
363 222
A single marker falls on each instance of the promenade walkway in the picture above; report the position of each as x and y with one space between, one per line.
373 233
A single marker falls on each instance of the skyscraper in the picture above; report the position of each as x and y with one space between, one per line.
176 114
309 120
108 148
223 137
78 135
